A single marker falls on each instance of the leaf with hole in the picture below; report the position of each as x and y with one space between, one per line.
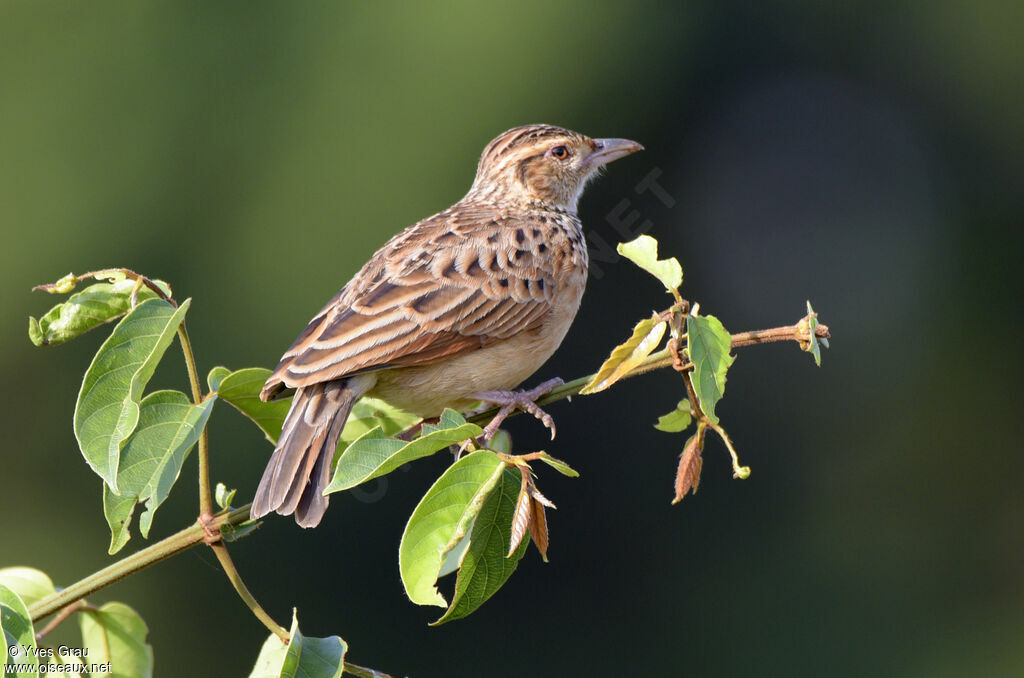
107 411
644 253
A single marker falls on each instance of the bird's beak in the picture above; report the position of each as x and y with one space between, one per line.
608 150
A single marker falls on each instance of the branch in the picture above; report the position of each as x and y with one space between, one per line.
664 358
176 543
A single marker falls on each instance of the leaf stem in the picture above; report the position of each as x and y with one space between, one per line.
205 496
61 616
176 543
221 551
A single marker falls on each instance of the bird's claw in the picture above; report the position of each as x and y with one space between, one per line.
512 400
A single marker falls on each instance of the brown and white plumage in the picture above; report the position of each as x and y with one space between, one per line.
472 299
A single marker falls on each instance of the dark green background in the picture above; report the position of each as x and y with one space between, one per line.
866 156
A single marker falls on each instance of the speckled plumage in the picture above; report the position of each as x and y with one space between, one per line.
472 299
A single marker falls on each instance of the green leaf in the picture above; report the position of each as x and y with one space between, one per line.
216 376
646 336
501 442
30 584
374 454
118 512
709 344
115 633
63 664
369 413
19 636
223 496
814 342
108 404
300 657
229 532
485 567
169 426
242 390
93 306
558 465
644 253
441 519
677 420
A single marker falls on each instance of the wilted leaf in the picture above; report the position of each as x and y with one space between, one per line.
677 420
169 426
520 515
300 657
30 584
646 336
19 636
690 464
108 404
644 253
93 306
485 567
709 345
115 633
539 528
442 519
375 454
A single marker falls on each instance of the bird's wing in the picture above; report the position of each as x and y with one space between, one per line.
446 286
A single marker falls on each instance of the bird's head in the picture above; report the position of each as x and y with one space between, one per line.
543 164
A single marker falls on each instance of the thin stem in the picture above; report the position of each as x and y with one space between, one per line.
176 543
221 551
364 672
205 497
61 616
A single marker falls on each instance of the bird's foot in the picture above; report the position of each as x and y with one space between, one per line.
512 400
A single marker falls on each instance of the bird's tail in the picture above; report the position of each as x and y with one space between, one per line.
300 468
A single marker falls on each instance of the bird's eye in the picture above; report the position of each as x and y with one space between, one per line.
560 152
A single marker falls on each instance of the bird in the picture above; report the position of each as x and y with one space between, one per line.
456 309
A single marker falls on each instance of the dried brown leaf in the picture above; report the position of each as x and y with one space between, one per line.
690 464
539 528
521 517
537 496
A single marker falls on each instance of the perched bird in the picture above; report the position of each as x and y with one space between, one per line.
455 309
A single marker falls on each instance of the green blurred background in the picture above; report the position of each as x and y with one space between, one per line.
867 156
